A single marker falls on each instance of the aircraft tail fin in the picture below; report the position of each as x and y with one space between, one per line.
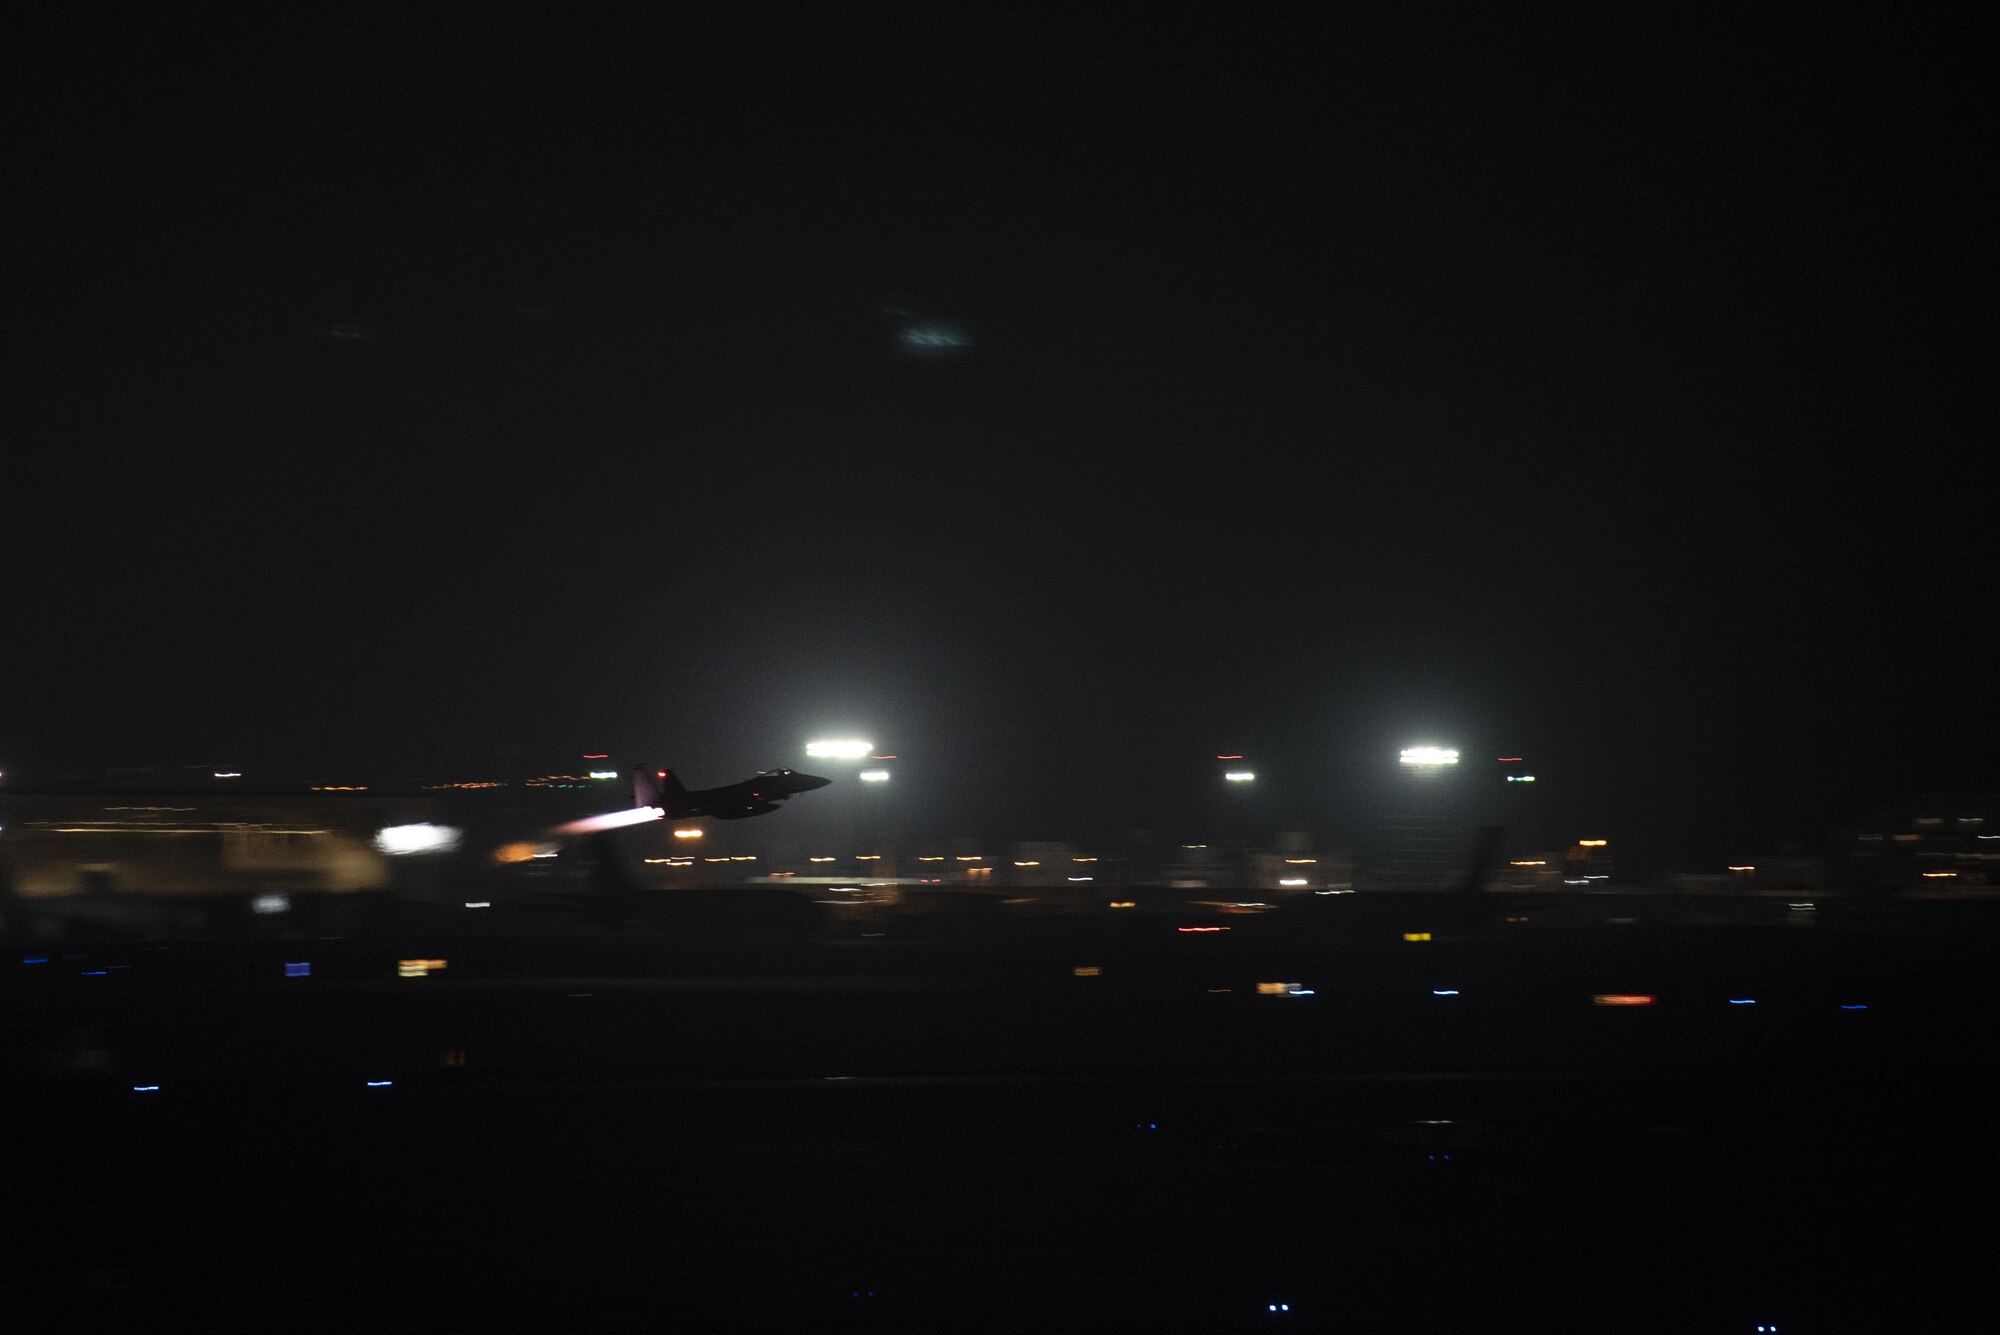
656 787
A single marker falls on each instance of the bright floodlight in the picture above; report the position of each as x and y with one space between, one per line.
611 820
1429 755
402 840
840 750
1239 776
873 776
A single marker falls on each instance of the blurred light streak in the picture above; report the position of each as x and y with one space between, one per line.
1239 776
1428 755
1086 971
1591 843
840 749
1293 880
873 776
300 970
1201 929
1416 936
1622 999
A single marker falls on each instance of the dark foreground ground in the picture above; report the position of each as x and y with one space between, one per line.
940 1129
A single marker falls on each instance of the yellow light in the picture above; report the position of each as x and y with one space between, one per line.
1300 862
1087 971
1124 904
975 871
715 859
962 858
819 859
1591 843
1272 989
1416 936
1743 869
1529 862
416 968
688 832
867 857
1934 875
1027 864
1083 859
743 857
938 858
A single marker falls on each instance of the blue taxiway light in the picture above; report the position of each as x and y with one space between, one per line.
34 959
94 973
1743 1001
299 970
1444 991
145 1089
377 1084
1853 1008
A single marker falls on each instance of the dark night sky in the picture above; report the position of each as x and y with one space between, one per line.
1580 384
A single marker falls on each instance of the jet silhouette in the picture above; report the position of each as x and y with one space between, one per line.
755 796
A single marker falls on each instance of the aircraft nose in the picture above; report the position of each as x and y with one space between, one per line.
808 782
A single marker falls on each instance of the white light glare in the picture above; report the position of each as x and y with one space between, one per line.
423 837
841 750
873 776
1520 778
1293 880
1429 755
270 903
1239 776
604 774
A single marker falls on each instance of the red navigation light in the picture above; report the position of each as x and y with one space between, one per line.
1201 929
661 774
1505 760
881 757
600 757
1229 757
1622 999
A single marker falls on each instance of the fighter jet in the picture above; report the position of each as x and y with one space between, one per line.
755 796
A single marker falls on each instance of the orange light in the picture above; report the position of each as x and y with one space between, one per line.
1416 936
1272 989
1086 971
601 757
691 832
1591 843
1622 999
1123 904
514 853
